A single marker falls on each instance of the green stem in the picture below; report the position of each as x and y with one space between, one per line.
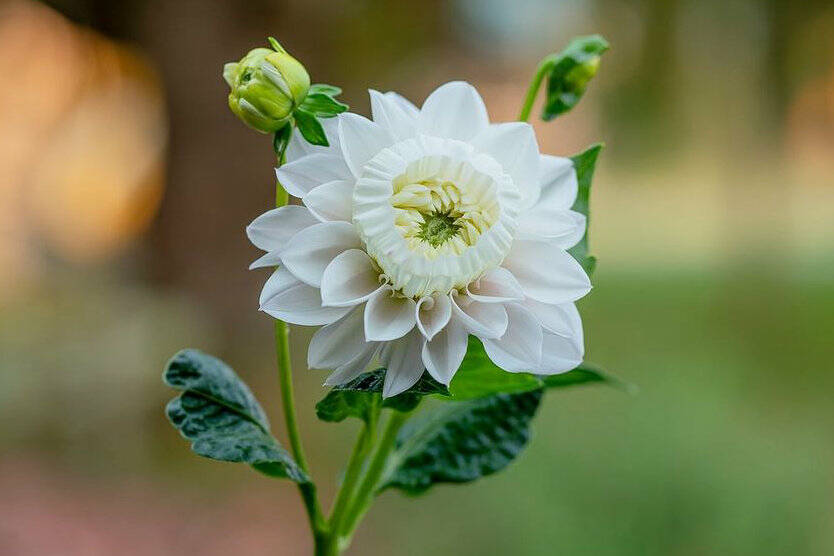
354 470
544 67
282 350
376 468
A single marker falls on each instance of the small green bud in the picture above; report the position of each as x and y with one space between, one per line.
583 73
266 87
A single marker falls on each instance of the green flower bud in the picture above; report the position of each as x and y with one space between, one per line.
266 87
583 73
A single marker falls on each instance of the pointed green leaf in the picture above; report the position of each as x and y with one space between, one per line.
585 163
310 128
586 373
322 105
219 415
281 140
570 72
463 441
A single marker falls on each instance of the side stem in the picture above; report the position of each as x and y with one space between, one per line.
282 350
533 90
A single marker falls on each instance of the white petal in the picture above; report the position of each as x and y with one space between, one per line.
485 320
273 258
496 286
433 313
331 201
563 320
308 172
520 349
273 229
454 110
443 355
288 299
310 251
559 355
557 178
563 227
361 140
403 363
349 279
391 113
388 317
546 272
337 344
299 146
514 146
406 105
353 368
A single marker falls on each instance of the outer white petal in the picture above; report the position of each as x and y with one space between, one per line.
308 172
273 258
391 112
388 317
310 251
331 201
354 367
349 279
546 272
286 298
496 286
514 146
563 227
443 355
485 320
361 140
559 355
454 110
336 344
273 229
557 178
299 146
433 313
403 362
520 349
562 320
406 105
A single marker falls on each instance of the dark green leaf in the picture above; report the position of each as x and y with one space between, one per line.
322 105
219 415
569 74
355 398
479 377
585 163
340 404
584 374
463 441
310 128
329 90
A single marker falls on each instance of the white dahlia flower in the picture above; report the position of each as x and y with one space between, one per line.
420 228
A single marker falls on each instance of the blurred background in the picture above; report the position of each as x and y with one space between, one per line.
126 184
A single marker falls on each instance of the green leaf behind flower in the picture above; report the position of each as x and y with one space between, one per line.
570 72
462 442
356 398
219 415
585 163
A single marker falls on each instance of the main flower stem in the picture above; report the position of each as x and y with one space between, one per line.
544 67
282 350
376 468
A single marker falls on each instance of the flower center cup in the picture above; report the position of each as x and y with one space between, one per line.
434 214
